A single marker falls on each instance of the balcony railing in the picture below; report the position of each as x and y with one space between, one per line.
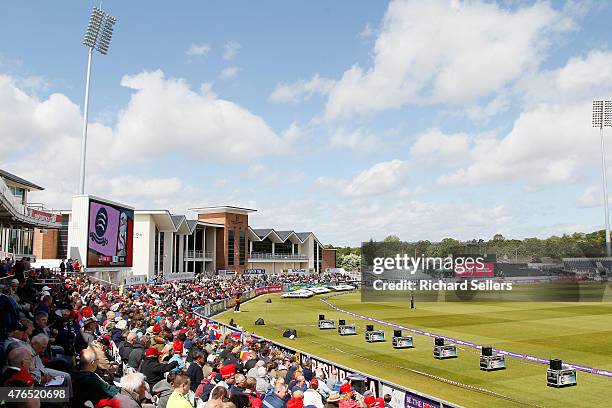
277 257
36 214
191 254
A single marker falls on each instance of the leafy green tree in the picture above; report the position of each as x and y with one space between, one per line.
350 262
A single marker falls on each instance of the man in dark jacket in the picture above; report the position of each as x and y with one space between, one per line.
89 386
136 355
194 372
163 389
153 369
277 398
125 349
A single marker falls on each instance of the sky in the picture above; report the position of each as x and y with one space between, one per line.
350 119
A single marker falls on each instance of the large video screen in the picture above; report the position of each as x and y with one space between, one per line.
110 235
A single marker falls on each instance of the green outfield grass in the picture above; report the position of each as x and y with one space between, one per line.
578 333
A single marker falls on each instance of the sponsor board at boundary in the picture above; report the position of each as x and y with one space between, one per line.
175 276
136 280
402 397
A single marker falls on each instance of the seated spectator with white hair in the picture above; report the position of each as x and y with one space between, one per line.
17 370
43 374
89 386
133 389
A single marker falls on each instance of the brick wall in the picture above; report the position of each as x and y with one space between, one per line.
329 259
236 222
45 245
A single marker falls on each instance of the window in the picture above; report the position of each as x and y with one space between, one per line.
19 193
230 248
156 257
161 253
283 248
264 246
242 246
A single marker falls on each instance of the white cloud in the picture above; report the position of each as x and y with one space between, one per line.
433 146
545 147
166 116
479 113
229 72
301 90
357 140
381 178
592 196
231 49
430 52
163 117
367 32
201 49
581 78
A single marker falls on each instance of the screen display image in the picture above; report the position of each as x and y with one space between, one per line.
110 235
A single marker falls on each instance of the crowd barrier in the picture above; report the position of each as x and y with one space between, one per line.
402 397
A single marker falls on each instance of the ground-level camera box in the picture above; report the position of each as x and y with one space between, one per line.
101 234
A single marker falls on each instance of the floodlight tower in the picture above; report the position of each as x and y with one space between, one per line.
602 117
98 36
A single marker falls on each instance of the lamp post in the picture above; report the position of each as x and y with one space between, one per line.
98 36
602 117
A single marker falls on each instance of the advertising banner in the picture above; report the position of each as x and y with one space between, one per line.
418 401
176 276
252 272
45 216
135 280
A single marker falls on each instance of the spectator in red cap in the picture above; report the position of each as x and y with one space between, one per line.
228 372
153 369
178 346
345 388
312 396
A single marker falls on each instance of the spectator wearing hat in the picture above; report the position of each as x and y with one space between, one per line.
87 333
177 348
89 386
333 400
154 370
312 395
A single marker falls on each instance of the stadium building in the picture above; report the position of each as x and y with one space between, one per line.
218 241
22 221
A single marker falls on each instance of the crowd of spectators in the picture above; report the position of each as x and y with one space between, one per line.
143 346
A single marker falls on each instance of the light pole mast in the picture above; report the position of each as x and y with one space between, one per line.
602 117
98 36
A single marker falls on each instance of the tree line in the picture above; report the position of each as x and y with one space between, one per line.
551 249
